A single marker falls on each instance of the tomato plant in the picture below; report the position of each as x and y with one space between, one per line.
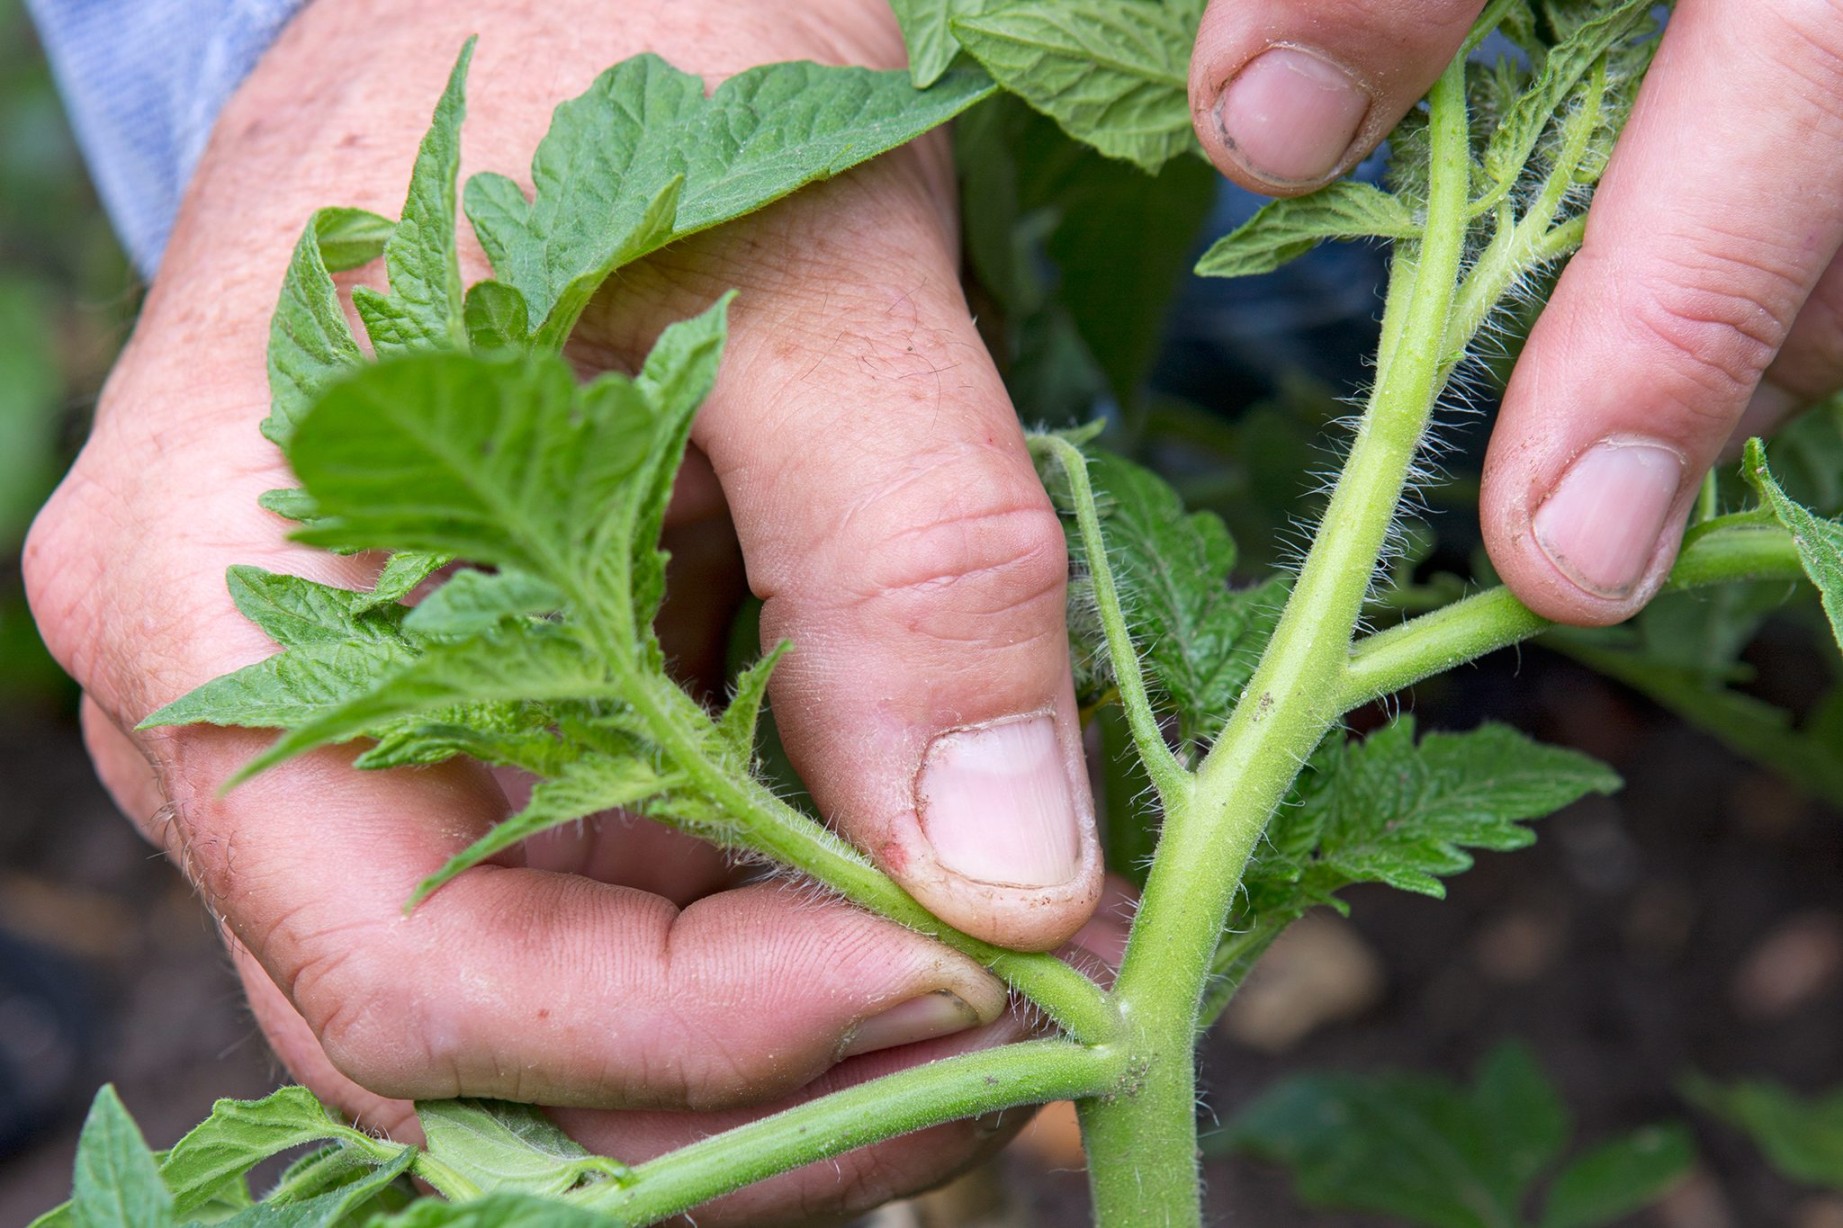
532 503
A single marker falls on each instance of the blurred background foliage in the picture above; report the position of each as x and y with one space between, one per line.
67 298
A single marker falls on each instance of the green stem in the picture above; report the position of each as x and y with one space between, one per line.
1168 776
1742 546
1142 1154
1708 500
770 826
1534 239
974 1084
1235 958
1720 551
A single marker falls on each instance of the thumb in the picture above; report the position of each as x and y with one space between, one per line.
893 524
1288 94
1719 213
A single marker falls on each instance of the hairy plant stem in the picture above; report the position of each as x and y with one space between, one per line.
982 1083
1168 776
1720 551
1521 244
1142 1147
791 838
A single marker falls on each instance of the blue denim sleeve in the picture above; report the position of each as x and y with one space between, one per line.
143 81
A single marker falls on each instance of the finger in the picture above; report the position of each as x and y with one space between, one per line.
1720 209
853 1183
894 526
627 851
299 1050
528 985
1289 94
1809 367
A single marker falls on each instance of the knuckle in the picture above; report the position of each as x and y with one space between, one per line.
982 560
373 1025
1714 326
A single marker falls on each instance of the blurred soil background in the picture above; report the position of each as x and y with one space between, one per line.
1692 923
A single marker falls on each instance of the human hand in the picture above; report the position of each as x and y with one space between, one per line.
887 512
1704 306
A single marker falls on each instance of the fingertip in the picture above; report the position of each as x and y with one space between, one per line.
1591 537
1286 95
1285 122
1004 844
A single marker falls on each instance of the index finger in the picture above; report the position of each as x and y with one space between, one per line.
1720 210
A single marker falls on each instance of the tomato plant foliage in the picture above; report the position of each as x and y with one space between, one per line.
525 506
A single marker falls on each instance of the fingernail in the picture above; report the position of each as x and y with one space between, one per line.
1289 116
1601 524
997 805
941 1013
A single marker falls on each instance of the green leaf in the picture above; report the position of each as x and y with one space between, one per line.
496 317
240 1134
925 28
1404 814
502 733
1562 68
531 663
423 309
768 131
736 729
1430 1152
1122 243
1067 239
475 601
487 459
505 461
117 1183
1620 1177
645 228
1819 541
331 1209
510 462
288 689
324 1170
503 1147
290 503
338 643
643 158
310 344
1810 756
293 611
1801 1138
350 238
404 573
679 373
1113 73
1524 1126
1808 458
1287 229
585 785
1410 1146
